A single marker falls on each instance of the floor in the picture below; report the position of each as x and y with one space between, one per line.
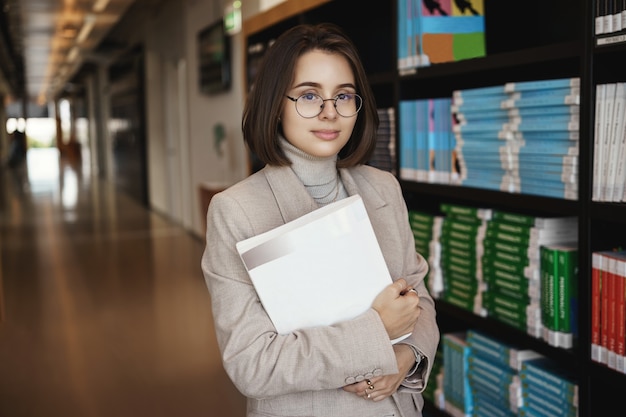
103 307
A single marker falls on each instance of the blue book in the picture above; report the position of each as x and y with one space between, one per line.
498 351
543 111
547 405
547 135
542 84
495 373
403 35
484 406
551 148
544 123
561 401
548 92
543 158
540 101
484 105
422 117
470 100
407 141
456 385
444 138
480 91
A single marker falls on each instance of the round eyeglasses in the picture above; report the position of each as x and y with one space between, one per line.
310 105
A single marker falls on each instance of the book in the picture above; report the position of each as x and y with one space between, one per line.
408 152
546 374
616 129
614 319
384 154
605 128
339 265
436 32
597 279
498 351
456 385
559 270
598 143
542 84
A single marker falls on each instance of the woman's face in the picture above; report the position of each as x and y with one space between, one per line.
327 75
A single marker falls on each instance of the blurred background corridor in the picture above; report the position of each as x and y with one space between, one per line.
103 308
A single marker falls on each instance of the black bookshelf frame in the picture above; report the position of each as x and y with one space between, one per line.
544 40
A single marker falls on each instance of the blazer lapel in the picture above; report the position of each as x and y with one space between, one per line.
294 201
356 183
292 198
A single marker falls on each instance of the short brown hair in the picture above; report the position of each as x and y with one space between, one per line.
261 125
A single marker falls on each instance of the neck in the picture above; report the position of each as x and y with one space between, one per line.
318 174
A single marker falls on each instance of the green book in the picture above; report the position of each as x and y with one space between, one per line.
526 220
548 276
460 210
559 295
567 305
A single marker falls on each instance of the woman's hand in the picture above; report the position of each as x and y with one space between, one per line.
381 387
398 307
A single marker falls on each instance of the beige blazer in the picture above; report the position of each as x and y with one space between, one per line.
301 374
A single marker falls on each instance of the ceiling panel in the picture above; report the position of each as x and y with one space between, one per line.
55 37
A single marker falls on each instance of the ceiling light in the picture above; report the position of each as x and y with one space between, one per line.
100 5
85 30
73 54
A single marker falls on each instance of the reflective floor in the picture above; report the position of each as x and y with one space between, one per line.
104 311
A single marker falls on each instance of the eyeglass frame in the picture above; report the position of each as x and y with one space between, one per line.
324 100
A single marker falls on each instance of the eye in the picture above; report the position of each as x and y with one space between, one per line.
345 97
306 97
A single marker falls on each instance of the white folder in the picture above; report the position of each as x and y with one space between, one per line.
319 269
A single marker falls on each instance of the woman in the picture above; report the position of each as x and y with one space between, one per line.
311 118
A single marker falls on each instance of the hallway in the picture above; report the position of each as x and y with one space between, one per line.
106 313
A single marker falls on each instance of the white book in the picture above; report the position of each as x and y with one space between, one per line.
620 170
615 140
607 123
319 269
597 141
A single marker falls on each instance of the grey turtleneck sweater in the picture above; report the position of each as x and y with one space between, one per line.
320 176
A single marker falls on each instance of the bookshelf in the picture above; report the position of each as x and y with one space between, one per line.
545 40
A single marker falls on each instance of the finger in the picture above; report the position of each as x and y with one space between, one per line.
400 285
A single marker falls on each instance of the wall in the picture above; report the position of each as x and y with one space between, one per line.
209 164
180 119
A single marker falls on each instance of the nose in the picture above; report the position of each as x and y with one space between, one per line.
325 109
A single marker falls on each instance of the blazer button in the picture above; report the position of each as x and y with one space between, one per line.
369 375
360 378
350 380
378 372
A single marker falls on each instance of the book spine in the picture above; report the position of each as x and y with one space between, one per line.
620 169
548 294
534 372
621 320
612 312
620 313
596 304
407 145
542 84
567 296
614 142
549 407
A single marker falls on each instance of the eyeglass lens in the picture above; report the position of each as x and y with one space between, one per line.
311 105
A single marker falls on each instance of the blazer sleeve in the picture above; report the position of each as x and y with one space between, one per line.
260 362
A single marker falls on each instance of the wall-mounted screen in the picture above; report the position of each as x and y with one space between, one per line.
214 58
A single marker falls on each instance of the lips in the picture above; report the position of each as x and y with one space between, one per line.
326 134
